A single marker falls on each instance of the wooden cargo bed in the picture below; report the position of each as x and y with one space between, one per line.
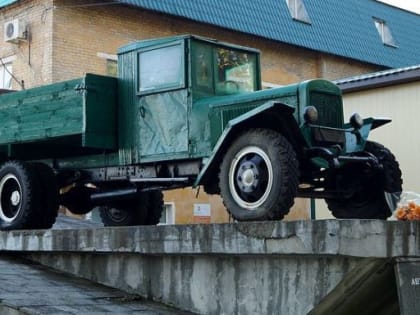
74 116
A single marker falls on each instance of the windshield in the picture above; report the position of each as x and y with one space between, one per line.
223 71
235 72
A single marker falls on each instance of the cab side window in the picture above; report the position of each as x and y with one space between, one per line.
161 68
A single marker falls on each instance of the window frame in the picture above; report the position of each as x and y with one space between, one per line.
7 61
171 216
209 90
181 84
254 62
382 27
303 16
109 59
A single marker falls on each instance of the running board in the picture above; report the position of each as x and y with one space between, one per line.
160 180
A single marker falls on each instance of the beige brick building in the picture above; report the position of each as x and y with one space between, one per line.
65 39
69 38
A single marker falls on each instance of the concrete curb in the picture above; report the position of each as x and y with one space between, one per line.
355 238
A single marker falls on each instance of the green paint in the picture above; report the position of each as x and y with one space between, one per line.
182 97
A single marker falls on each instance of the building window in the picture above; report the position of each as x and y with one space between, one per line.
111 63
168 214
6 75
384 32
111 68
298 11
269 85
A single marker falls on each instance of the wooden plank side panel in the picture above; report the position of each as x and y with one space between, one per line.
100 130
41 113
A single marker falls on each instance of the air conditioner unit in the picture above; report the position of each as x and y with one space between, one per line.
14 31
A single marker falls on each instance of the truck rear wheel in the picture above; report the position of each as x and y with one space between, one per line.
155 207
125 213
20 198
49 196
370 199
146 209
259 176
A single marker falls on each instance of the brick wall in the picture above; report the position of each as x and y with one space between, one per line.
65 39
81 33
31 59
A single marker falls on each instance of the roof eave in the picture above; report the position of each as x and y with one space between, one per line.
381 81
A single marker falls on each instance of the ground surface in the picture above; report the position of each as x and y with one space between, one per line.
29 288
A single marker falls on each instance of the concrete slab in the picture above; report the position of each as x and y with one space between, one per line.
240 268
355 238
66 222
29 288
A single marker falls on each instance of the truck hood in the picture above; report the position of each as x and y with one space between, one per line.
250 97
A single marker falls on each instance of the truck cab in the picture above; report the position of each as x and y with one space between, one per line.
161 82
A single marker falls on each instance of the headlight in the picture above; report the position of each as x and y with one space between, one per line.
310 114
356 121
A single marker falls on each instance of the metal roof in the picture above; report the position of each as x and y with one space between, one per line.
380 79
4 3
343 28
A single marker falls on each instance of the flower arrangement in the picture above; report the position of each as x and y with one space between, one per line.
408 212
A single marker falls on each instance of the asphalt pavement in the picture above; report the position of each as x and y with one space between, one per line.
29 288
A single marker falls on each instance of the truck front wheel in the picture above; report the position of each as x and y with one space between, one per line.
259 176
371 199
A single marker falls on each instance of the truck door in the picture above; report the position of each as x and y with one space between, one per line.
163 124
162 102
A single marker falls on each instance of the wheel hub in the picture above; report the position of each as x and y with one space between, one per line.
248 177
15 198
117 215
10 198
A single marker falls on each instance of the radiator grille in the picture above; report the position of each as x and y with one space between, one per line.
231 113
329 106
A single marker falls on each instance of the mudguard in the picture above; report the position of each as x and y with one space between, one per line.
271 107
355 144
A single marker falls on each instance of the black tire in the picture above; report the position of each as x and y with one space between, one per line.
370 200
49 196
77 200
144 210
155 207
259 176
20 198
126 213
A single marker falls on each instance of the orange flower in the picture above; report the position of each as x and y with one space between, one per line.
401 213
409 212
417 213
410 216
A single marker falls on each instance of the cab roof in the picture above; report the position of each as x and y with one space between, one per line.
167 40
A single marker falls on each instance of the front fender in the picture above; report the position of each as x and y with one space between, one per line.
252 117
355 141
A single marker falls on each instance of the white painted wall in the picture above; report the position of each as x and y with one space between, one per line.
401 103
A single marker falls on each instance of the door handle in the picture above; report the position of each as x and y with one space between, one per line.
142 111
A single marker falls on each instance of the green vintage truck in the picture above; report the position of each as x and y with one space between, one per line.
186 111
